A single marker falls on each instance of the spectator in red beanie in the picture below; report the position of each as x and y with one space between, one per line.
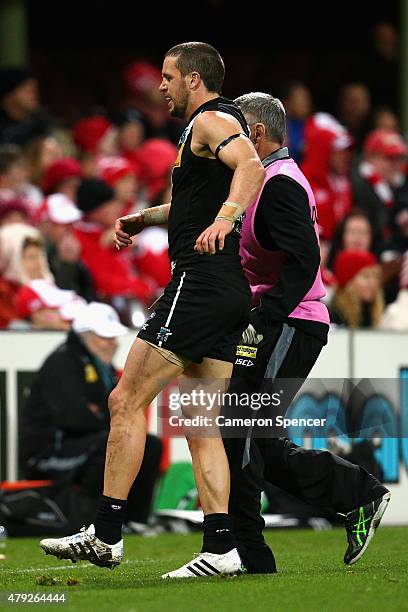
156 157
14 211
377 177
326 164
358 300
94 137
142 81
63 176
89 133
110 269
121 175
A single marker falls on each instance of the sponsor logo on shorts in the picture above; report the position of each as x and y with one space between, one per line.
164 334
247 363
246 351
146 324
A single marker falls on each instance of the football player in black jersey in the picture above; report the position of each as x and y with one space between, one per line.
199 319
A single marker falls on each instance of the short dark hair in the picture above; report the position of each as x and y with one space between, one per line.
9 155
202 58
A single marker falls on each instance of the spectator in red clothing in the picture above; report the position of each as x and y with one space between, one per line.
121 175
358 300
27 287
149 256
63 176
150 253
92 134
156 157
46 306
142 81
95 137
56 219
111 270
377 177
13 211
326 165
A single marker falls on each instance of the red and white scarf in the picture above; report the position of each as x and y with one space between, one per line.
379 185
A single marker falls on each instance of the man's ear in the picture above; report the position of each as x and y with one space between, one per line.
194 80
259 131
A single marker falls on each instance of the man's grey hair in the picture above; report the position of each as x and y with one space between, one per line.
263 108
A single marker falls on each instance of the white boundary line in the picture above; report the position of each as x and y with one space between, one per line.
72 566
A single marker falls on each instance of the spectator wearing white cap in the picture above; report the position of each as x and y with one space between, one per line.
56 218
66 419
377 178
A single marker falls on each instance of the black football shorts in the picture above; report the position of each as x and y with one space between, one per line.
199 316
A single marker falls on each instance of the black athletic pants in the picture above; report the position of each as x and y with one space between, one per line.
316 477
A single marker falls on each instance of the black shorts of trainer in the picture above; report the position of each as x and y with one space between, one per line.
199 316
316 477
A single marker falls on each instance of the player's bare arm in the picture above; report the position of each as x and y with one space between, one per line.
212 129
131 225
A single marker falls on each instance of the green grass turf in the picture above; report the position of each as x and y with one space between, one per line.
312 576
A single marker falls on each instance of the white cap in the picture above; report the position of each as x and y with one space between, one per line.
101 319
58 208
342 141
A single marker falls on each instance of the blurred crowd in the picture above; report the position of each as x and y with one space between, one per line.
62 188
60 194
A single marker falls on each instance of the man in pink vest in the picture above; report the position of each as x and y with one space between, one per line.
288 329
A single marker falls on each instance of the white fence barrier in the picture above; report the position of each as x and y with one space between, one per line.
364 354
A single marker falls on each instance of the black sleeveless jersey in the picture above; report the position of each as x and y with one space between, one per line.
200 187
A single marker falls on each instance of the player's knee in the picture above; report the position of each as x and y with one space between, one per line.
124 406
117 405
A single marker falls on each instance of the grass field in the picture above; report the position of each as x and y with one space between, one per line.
312 576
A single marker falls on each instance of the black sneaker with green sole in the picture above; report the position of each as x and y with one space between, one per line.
361 524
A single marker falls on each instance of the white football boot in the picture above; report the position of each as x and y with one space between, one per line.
209 564
84 546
